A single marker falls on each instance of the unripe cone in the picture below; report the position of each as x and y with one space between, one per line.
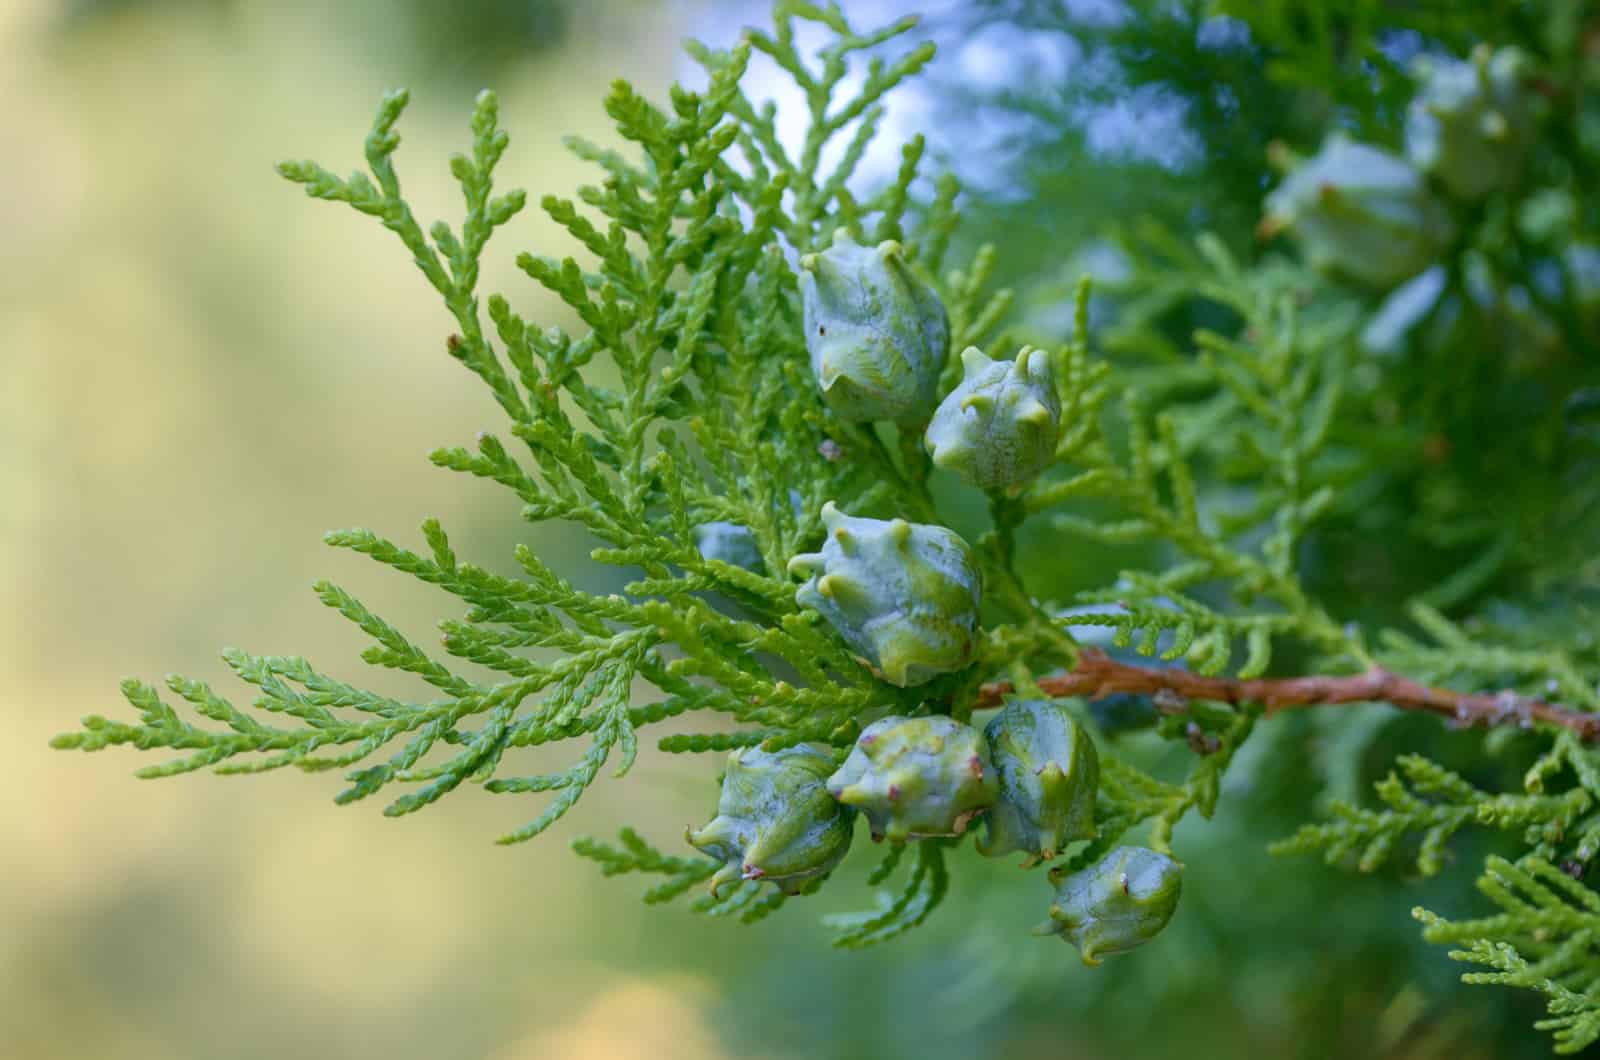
1471 123
916 777
1048 771
730 543
1361 213
904 595
1121 901
775 820
999 428
878 336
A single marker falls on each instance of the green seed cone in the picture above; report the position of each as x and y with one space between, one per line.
1361 213
878 335
1048 771
999 428
904 595
775 820
1471 124
1120 902
916 777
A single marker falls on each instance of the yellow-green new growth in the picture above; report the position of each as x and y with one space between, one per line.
1120 902
878 335
904 595
1048 772
916 777
775 820
999 428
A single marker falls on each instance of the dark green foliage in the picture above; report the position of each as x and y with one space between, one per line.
1464 503
927 880
1545 939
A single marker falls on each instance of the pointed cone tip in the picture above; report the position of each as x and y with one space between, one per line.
981 402
1032 363
947 457
1033 412
729 873
832 586
805 563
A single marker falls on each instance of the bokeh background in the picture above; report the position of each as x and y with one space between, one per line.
201 371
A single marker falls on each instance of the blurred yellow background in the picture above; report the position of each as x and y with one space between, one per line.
202 371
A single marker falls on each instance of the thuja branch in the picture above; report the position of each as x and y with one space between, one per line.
1096 675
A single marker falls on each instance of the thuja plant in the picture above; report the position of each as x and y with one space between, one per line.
777 383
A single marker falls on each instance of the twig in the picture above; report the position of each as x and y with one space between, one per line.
1097 675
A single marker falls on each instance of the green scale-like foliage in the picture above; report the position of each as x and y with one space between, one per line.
686 402
1546 938
1209 484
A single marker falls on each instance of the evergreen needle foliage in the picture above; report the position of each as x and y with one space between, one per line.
1243 439
1544 940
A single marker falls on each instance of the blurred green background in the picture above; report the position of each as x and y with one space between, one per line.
203 371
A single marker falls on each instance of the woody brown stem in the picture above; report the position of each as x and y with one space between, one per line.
1097 675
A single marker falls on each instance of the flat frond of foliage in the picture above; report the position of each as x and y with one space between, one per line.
1546 938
